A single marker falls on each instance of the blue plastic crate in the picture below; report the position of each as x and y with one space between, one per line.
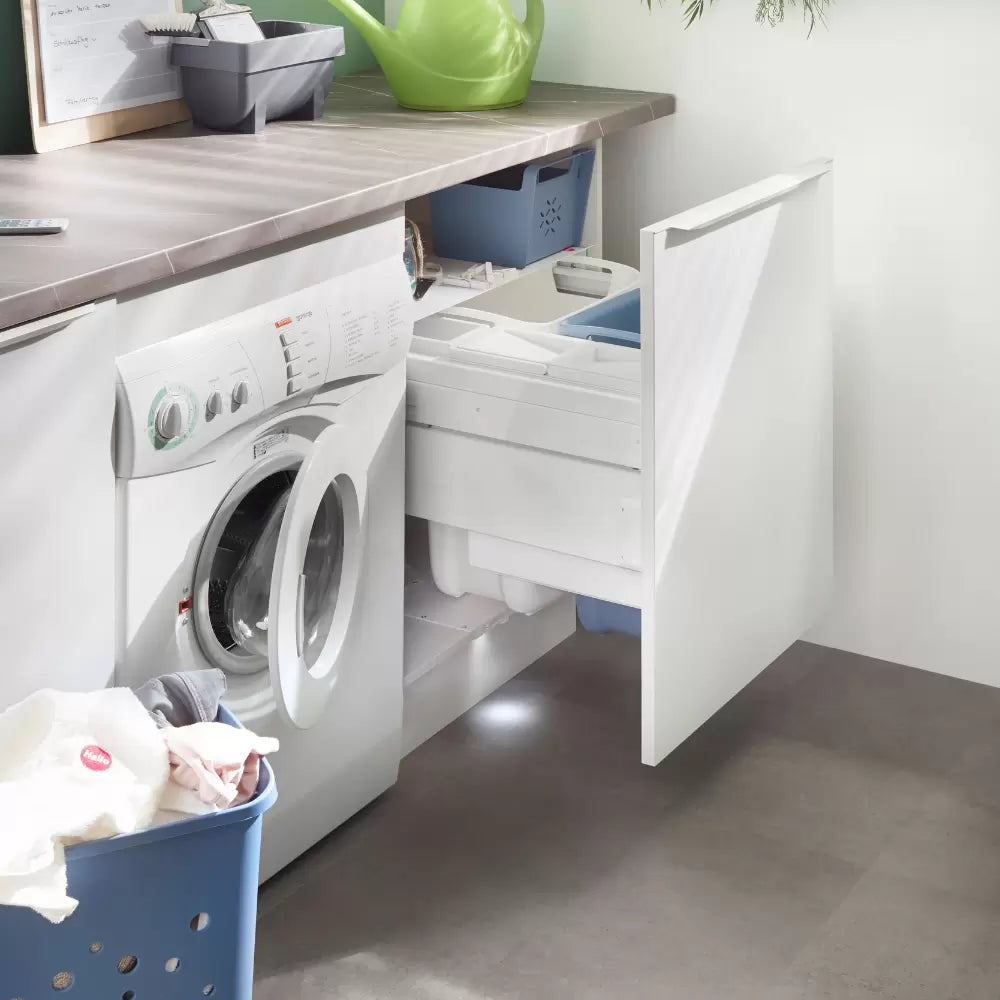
165 914
517 216
613 321
603 616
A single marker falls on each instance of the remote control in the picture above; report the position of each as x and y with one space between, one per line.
32 227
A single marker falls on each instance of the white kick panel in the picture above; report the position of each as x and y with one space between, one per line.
736 439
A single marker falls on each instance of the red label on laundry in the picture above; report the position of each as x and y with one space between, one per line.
95 758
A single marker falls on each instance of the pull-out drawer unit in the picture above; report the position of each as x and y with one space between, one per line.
690 478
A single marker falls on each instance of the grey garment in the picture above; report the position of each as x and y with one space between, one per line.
183 699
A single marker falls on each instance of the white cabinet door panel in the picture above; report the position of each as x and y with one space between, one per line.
736 428
57 503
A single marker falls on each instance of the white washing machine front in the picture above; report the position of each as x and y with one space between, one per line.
260 528
279 561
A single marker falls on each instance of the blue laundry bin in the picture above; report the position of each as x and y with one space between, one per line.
613 321
164 914
603 616
516 216
616 320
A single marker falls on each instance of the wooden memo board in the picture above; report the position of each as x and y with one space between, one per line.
78 131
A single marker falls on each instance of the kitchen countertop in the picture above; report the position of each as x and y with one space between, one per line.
163 202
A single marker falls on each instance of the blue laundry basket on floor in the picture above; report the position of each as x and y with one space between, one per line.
165 914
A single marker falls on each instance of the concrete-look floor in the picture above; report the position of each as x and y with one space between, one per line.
834 832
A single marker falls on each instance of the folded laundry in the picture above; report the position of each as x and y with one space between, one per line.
74 767
185 698
212 766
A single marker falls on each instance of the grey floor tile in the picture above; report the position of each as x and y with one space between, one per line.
890 714
692 913
978 769
833 832
952 844
807 797
896 939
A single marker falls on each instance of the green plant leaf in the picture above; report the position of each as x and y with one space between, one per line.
693 11
771 12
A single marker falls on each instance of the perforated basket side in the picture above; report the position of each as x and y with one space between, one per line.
515 226
165 914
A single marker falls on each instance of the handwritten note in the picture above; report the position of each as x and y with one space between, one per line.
95 57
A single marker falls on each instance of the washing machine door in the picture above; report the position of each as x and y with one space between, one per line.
318 564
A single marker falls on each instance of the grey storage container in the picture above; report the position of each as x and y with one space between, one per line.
238 86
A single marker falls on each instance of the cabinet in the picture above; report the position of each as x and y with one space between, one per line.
691 478
57 543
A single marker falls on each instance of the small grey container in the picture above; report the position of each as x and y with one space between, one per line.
238 86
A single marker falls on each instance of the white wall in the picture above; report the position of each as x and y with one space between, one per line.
905 94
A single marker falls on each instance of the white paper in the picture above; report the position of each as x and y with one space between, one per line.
239 27
96 57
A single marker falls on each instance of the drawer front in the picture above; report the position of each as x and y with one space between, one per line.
736 444
502 419
539 498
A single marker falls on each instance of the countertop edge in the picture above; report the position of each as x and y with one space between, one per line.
36 301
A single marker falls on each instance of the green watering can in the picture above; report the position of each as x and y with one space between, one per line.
454 55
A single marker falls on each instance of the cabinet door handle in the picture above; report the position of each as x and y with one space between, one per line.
40 327
740 203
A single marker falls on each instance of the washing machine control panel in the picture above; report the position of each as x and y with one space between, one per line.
178 396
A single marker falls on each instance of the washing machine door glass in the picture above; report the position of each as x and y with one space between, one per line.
248 597
248 594
233 574
316 574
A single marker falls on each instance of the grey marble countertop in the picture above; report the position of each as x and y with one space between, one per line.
159 203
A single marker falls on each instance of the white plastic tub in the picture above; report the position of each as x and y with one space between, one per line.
542 299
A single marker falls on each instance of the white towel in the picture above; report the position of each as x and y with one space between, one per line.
72 767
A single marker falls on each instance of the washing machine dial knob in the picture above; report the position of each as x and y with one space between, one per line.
213 406
172 417
241 395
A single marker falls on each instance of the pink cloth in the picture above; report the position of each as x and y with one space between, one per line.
212 766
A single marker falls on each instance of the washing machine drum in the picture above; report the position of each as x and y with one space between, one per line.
239 562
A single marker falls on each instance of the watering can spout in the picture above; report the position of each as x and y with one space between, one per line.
380 39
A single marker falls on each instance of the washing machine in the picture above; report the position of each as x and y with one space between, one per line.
259 462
